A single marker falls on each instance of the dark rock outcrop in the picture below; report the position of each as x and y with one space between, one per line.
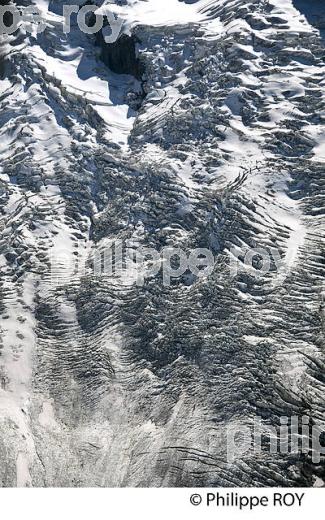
120 56
314 11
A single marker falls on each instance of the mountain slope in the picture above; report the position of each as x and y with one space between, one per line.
218 144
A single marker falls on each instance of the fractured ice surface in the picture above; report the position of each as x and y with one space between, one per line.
219 145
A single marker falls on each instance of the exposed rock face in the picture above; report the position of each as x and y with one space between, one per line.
120 56
313 10
108 382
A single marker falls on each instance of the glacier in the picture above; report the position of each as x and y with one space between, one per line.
202 126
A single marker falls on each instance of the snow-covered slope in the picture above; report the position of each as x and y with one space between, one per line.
219 144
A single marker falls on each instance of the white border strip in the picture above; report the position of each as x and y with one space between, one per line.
166 504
